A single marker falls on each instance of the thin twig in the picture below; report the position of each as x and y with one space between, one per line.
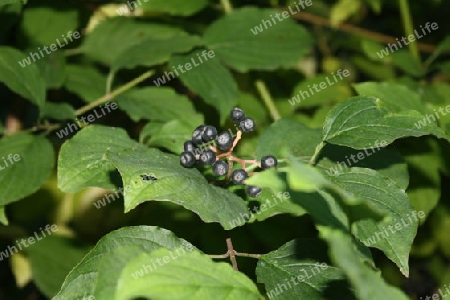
248 255
408 26
218 255
115 93
381 38
107 97
226 6
267 98
232 253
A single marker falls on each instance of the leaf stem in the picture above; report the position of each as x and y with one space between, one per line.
74 51
109 81
268 101
408 26
115 93
226 6
319 147
248 255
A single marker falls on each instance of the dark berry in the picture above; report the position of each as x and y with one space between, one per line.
209 133
197 135
187 159
189 146
238 176
220 168
208 157
253 191
247 125
268 161
237 115
224 140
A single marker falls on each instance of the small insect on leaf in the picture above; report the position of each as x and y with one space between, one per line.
148 177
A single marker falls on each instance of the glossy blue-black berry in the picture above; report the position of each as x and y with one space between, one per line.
197 135
247 125
268 161
207 157
209 133
224 140
220 168
237 115
189 146
253 191
187 159
238 176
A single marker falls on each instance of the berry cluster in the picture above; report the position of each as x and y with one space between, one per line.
207 147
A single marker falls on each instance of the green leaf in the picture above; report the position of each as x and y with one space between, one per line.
303 97
114 36
395 97
86 82
92 275
424 164
9 15
375 5
208 78
82 160
53 70
318 202
375 70
253 107
440 226
407 62
110 268
274 199
300 140
345 256
444 67
185 276
361 121
52 258
305 177
388 162
388 198
303 269
269 178
444 46
44 23
240 40
27 162
343 10
175 7
58 111
26 81
326 201
170 135
374 51
5 2
437 93
3 217
153 51
155 103
174 183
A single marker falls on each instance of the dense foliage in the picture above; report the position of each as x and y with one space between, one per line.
341 162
